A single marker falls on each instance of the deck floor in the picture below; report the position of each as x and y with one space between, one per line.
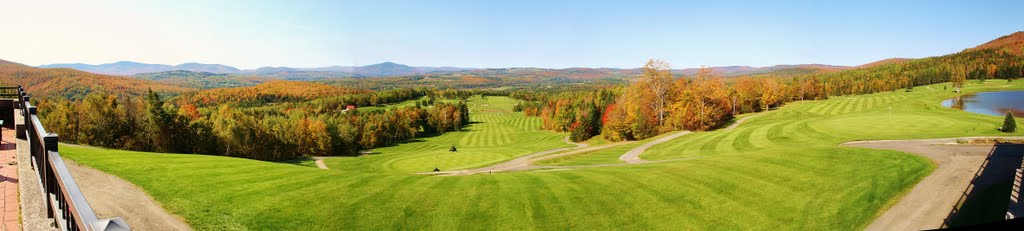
9 185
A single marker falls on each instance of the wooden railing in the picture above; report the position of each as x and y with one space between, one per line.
10 92
65 202
1016 207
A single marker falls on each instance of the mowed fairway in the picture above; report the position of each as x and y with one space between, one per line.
781 170
497 134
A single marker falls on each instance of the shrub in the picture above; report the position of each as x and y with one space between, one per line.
1009 124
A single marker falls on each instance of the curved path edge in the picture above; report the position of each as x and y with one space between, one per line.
111 196
928 203
633 156
517 163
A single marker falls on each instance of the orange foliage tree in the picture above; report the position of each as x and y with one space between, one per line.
702 103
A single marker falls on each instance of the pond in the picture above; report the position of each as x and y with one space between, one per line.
995 103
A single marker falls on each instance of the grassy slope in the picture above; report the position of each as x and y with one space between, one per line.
777 171
496 135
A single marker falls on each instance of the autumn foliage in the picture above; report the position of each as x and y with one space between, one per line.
648 106
281 130
273 91
74 84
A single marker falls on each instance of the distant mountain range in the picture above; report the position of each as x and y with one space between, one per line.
131 68
74 84
69 82
126 68
748 70
1013 43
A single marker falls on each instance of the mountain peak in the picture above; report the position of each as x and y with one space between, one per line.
386 69
386 64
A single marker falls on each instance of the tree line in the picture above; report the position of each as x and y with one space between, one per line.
151 123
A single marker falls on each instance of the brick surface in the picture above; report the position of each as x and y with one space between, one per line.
9 185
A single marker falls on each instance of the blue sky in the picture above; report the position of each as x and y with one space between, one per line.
480 33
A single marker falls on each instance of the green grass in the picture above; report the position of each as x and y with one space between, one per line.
407 103
308 162
888 115
781 170
596 140
497 134
603 156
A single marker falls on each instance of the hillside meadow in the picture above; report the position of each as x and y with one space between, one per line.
779 170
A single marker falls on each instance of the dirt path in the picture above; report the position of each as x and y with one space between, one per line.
633 156
111 196
582 150
738 122
520 163
525 163
930 201
578 145
320 162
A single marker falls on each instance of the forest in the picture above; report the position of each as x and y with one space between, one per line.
278 126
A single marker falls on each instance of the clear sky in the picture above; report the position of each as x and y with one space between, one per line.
485 33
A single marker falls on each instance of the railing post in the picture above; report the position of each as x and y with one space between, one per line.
33 143
21 95
19 129
25 107
49 143
49 186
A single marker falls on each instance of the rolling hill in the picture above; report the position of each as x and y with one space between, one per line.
202 80
272 91
1012 43
74 84
748 70
884 62
131 68
391 69
127 68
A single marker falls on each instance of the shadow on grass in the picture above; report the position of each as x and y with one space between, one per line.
304 161
987 197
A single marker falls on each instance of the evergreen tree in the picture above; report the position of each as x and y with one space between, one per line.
1009 124
588 125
